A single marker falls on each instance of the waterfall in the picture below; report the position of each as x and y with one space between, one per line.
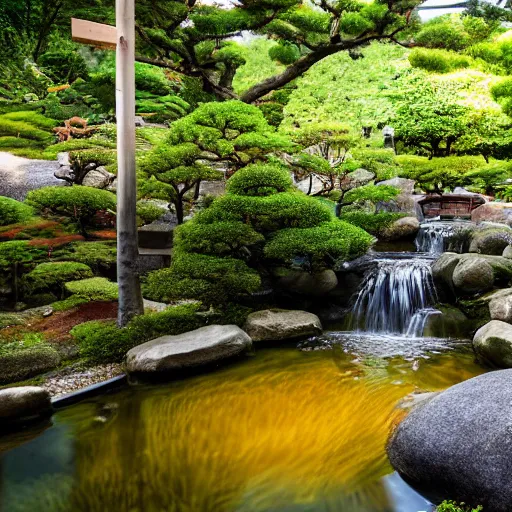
418 322
392 295
436 237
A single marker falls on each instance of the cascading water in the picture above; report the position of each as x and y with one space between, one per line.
436 237
393 295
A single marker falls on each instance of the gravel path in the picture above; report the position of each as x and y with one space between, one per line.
20 175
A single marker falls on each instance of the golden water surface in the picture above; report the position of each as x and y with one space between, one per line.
283 430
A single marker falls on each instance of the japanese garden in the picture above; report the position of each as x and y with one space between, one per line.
255 255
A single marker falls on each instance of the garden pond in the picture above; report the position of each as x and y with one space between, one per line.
285 430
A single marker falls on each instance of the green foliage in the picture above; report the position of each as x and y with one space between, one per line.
231 132
18 252
69 303
103 342
54 275
259 180
371 193
438 61
438 174
284 53
19 361
79 203
502 92
63 64
427 117
97 255
12 211
321 245
220 238
452 506
93 289
148 212
373 223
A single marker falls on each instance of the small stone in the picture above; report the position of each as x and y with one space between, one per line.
48 312
90 167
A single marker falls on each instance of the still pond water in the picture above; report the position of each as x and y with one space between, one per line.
285 431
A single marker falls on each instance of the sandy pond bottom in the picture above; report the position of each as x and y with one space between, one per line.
285 430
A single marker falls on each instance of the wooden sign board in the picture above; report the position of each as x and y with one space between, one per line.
95 34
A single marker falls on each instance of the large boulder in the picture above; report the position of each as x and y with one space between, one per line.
401 229
191 349
404 202
23 403
491 241
304 283
500 308
507 252
98 178
312 185
458 443
493 343
493 212
473 275
356 178
442 270
278 324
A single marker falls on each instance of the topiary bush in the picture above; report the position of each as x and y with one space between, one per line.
374 223
148 212
229 248
102 342
53 276
100 256
93 289
438 61
12 211
78 202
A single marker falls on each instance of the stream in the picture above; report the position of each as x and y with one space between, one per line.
283 430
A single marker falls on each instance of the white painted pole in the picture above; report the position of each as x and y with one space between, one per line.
130 298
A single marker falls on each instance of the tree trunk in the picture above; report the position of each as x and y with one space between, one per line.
197 190
178 204
130 296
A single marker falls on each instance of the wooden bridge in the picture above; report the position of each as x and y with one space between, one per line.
450 205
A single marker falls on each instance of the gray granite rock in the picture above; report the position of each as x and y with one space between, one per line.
188 350
304 283
402 229
459 443
500 308
23 403
279 324
473 275
493 343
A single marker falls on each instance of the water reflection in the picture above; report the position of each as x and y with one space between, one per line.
284 431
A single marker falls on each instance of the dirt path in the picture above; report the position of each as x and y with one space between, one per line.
20 175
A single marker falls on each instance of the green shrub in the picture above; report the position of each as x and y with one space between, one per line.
18 252
23 129
103 342
26 358
208 278
373 223
10 143
70 303
285 53
438 61
54 275
371 193
259 180
97 255
79 203
12 211
219 238
78 146
93 289
33 118
321 246
63 65
436 34
148 212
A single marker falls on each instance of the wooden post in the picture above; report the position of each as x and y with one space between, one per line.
130 297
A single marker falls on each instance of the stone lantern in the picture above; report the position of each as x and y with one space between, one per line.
389 137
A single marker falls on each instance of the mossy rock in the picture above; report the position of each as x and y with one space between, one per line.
452 323
491 241
22 364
